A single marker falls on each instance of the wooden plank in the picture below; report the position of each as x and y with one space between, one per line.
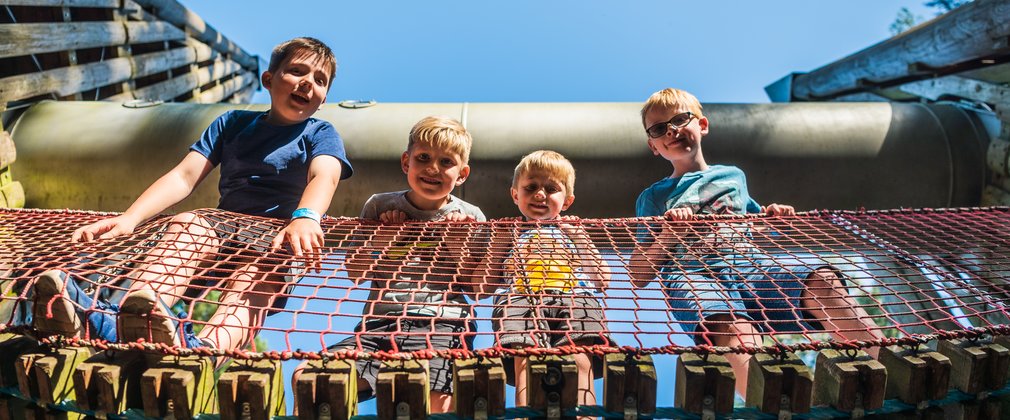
13 346
225 89
401 390
157 62
167 90
109 382
478 388
46 377
66 80
704 386
217 69
779 385
976 366
327 390
629 385
106 4
181 387
7 152
245 95
552 385
251 390
12 195
852 383
172 11
975 30
20 39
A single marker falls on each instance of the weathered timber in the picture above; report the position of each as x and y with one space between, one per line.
19 39
12 346
172 11
976 30
704 385
12 194
7 152
478 388
106 4
12 408
629 385
327 390
915 377
849 382
225 89
779 385
553 385
402 390
109 382
251 389
181 387
65 80
46 377
976 366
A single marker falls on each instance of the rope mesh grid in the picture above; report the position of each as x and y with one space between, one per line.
909 276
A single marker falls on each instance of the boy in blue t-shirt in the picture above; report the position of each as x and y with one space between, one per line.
719 279
280 164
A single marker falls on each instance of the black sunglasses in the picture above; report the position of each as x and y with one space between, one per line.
678 121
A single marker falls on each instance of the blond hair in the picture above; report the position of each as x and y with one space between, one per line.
304 45
442 133
671 98
548 162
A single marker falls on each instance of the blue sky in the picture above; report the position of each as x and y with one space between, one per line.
564 51
558 51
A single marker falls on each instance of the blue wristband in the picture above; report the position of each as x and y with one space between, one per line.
306 213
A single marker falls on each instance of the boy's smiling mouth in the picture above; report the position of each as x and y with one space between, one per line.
300 98
432 181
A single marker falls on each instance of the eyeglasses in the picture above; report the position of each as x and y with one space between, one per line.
678 121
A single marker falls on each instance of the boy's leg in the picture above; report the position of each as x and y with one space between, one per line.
168 267
826 299
587 392
521 381
245 301
732 332
60 306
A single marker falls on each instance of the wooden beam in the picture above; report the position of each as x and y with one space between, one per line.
7 152
66 80
167 90
225 89
106 4
976 30
172 11
19 39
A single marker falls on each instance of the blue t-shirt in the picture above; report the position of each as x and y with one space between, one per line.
716 190
264 167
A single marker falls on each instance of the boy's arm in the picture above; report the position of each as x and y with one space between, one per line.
590 259
644 262
488 273
168 190
303 234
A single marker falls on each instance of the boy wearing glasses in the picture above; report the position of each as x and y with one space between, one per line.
719 279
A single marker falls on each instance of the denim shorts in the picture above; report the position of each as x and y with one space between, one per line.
754 287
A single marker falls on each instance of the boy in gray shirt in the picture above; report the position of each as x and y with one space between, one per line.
414 299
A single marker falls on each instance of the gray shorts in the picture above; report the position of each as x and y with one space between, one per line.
408 335
549 319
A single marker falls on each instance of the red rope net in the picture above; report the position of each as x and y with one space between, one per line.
820 279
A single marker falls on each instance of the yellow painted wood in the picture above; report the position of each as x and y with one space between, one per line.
109 382
779 385
251 389
327 389
478 386
179 386
402 390
46 377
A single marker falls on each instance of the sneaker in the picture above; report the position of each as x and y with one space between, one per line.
144 315
60 306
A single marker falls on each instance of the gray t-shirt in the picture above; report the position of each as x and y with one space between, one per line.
423 285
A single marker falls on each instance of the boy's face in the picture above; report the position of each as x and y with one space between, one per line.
432 173
297 88
540 197
676 144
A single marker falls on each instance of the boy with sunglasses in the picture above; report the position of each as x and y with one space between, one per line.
719 279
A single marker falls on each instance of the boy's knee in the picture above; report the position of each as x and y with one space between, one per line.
583 363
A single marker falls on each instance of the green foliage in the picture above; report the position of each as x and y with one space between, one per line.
906 19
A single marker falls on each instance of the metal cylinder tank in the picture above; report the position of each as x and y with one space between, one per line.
101 156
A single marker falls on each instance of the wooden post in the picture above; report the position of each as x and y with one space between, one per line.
629 385
109 382
553 385
779 385
12 408
12 346
402 390
914 376
46 377
976 366
181 387
849 382
327 389
989 408
251 390
478 386
704 385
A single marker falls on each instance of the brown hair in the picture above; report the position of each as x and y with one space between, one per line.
305 45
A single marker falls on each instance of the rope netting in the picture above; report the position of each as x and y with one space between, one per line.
713 284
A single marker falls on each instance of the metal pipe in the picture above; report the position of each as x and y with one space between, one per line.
813 155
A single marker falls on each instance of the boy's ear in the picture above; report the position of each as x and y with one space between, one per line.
266 78
405 161
703 125
464 172
568 202
653 148
515 195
